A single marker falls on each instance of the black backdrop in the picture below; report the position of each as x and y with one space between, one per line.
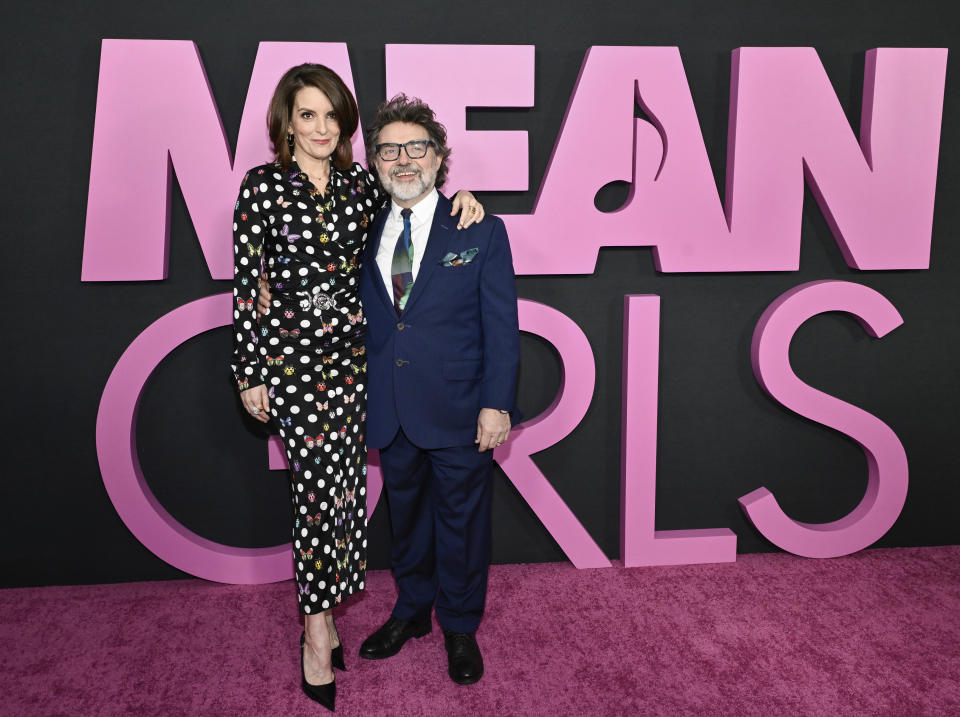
719 435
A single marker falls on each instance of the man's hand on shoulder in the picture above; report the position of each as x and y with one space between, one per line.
493 429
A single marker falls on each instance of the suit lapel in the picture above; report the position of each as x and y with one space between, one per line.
373 246
441 230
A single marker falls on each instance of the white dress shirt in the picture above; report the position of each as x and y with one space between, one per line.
421 219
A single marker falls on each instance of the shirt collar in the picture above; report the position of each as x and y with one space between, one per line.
421 212
294 169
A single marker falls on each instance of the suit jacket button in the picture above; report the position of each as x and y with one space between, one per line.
399 362
401 326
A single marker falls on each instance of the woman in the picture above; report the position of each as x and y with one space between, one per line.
301 221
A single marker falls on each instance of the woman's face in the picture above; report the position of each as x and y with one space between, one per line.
313 125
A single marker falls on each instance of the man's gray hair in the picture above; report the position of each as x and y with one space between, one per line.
401 108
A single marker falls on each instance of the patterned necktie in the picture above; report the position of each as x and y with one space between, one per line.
402 268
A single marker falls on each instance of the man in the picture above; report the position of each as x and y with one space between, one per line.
443 352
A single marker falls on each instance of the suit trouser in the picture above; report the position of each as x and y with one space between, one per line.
439 503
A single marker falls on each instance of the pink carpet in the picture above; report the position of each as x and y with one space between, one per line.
877 633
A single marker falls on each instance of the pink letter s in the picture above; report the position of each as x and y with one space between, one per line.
887 461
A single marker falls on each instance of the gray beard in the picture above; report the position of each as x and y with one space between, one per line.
408 190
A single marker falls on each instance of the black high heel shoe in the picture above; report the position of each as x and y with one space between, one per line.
336 655
326 694
336 658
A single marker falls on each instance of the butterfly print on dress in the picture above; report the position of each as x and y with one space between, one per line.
305 349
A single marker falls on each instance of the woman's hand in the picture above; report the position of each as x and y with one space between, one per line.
256 402
470 209
263 298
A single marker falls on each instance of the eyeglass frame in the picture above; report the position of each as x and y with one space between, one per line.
427 144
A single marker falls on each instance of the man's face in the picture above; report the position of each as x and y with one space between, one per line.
407 180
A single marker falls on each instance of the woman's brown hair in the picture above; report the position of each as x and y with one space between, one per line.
280 111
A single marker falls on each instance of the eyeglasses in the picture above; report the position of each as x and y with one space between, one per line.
415 149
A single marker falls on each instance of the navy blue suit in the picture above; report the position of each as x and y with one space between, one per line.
454 351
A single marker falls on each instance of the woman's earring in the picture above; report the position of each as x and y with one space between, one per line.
290 143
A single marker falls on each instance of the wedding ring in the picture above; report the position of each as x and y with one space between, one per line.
254 411
499 443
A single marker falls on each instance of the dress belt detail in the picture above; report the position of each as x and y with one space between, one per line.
315 298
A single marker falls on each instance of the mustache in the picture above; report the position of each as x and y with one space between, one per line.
405 168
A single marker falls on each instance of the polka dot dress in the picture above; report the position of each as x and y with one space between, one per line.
309 352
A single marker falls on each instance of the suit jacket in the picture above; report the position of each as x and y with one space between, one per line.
456 349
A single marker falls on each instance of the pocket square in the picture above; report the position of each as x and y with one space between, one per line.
465 257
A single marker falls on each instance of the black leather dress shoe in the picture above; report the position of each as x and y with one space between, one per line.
463 656
387 641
